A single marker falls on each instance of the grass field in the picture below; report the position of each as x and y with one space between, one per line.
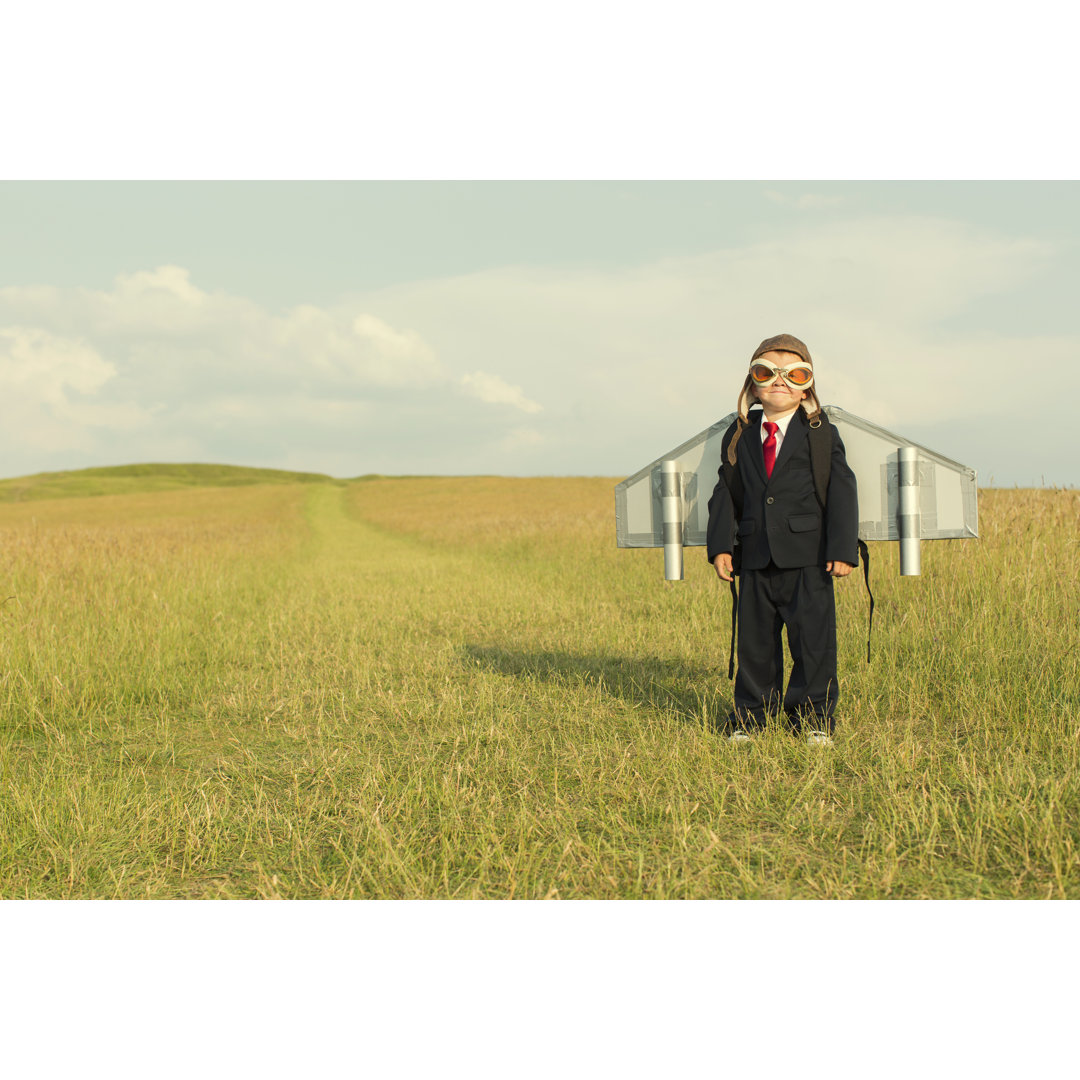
439 687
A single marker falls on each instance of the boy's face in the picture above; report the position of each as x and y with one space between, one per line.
778 396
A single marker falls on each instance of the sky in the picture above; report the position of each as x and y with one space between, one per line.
516 327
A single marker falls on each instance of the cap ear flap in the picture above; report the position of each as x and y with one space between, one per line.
811 404
746 399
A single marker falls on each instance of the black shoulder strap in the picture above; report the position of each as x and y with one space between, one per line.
820 466
732 478
820 456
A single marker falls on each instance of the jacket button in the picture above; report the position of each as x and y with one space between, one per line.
770 500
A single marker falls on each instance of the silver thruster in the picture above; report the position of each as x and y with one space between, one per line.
671 499
907 519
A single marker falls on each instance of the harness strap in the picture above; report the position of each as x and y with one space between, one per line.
864 554
734 619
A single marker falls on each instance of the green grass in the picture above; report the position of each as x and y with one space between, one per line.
461 688
128 479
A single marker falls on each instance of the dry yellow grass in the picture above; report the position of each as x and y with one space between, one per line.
461 688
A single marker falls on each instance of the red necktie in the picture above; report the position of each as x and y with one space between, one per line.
769 446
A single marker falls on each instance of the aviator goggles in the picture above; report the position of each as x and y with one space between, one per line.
799 376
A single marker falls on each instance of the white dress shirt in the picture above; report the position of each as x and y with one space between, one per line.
781 429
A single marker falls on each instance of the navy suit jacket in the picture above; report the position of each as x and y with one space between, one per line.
782 520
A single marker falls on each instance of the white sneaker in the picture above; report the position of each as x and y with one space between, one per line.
739 736
819 738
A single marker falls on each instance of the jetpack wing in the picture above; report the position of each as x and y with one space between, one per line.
907 492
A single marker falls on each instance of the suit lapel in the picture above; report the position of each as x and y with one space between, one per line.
793 439
753 433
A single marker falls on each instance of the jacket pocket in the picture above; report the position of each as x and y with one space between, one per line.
804 522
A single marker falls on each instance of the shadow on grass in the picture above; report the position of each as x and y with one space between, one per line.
695 695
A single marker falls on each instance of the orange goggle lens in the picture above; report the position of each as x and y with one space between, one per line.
793 376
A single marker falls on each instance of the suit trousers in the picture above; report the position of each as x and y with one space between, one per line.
802 600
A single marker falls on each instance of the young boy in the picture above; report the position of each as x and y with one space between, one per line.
790 546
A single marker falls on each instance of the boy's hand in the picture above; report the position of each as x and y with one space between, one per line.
722 562
838 568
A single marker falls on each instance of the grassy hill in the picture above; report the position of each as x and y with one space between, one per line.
126 479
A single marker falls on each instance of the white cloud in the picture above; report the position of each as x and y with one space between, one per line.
869 297
49 383
495 391
82 366
627 361
159 321
346 349
161 303
33 360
